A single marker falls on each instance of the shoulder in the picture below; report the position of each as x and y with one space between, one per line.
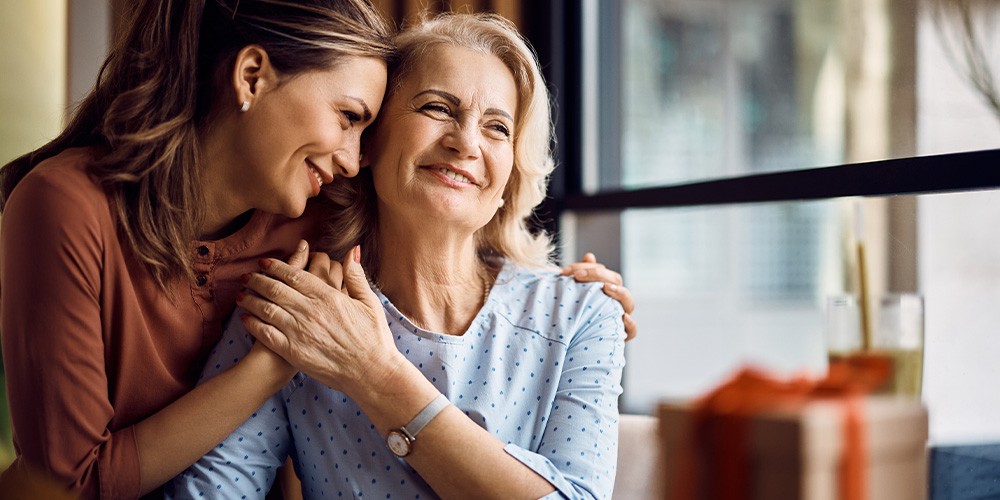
546 285
58 211
58 220
550 302
61 183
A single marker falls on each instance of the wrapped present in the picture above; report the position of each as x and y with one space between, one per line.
760 438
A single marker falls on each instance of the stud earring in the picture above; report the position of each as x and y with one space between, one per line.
502 202
245 106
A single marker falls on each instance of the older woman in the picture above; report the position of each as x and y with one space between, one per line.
472 369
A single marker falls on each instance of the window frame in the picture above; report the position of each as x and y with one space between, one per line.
556 32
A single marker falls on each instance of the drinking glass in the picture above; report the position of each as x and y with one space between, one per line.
900 334
842 326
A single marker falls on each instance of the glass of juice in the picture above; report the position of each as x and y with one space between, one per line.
900 335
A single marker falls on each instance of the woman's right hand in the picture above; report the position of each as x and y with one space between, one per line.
326 322
299 259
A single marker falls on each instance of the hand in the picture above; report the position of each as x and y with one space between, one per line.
298 260
327 322
589 270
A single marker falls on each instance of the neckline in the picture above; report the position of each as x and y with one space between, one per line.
252 231
503 276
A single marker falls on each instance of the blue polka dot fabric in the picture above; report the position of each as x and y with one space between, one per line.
539 368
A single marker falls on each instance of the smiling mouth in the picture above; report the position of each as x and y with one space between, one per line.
455 176
316 174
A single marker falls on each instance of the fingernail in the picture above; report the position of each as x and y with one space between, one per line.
239 296
302 246
245 278
357 254
244 316
613 287
264 263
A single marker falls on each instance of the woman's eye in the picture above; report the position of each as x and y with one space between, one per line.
501 128
352 116
436 108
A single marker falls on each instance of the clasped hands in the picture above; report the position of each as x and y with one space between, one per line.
321 317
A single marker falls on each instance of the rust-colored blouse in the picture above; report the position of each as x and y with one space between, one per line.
91 345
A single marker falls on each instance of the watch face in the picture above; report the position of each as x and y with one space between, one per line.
398 443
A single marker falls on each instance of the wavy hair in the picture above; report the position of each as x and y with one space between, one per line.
158 88
508 233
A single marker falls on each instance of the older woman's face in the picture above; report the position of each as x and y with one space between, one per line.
443 151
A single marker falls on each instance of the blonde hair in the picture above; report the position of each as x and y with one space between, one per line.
161 83
508 234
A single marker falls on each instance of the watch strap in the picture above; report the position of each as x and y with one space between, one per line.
425 416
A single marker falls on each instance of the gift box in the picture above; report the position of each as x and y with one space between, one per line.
803 440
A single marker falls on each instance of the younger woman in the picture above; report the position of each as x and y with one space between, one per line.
123 239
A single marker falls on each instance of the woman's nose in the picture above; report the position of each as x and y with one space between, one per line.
463 139
347 160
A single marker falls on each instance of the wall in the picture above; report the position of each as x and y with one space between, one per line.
32 100
33 44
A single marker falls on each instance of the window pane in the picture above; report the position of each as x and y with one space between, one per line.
713 88
719 287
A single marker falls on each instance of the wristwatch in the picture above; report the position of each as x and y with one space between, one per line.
400 441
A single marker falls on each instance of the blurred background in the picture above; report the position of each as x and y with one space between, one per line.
659 93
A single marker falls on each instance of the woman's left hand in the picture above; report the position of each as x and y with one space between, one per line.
326 322
589 270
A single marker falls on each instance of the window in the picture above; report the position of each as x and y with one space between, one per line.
693 134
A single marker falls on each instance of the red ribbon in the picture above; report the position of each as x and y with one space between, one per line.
721 421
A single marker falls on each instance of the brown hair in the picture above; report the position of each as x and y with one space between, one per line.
157 88
353 219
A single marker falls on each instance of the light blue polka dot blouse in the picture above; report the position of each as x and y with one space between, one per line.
540 368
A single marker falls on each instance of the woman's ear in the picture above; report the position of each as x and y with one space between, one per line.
253 75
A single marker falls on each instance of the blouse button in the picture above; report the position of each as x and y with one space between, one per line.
203 250
201 279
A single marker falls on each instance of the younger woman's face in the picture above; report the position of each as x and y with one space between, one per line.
304 132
